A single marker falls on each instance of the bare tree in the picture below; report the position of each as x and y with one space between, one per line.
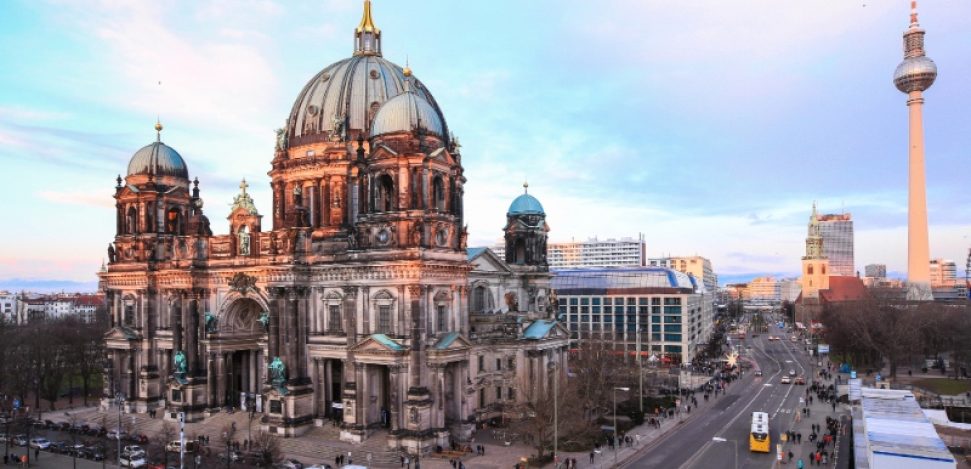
162 438
267 445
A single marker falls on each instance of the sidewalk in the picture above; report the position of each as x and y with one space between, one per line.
802 423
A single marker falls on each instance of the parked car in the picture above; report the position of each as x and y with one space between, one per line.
3 437
94 453
58 447
319 466
40 443
134 451
175 445
234 456
289 464
116 435
133 462
19 440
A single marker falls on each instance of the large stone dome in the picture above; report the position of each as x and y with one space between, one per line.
346 95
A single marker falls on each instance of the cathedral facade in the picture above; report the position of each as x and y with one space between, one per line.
355 306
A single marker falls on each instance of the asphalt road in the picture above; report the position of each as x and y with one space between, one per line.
718 436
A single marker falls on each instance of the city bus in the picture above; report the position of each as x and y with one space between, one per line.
758 439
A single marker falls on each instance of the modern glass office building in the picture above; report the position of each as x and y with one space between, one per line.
656 311
837 233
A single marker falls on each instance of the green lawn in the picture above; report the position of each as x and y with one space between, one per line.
944 386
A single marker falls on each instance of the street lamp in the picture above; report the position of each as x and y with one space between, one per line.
719 439
551 366
120 402
616 440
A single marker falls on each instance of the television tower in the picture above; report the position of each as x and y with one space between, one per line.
914 75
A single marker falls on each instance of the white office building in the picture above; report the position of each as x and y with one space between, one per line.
593 252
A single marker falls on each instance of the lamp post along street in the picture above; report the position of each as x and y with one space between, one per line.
181 440
616 437
120 400
556 407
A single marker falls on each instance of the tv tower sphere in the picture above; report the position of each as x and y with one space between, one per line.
917 71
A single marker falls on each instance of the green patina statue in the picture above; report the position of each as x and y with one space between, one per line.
278 373
264 319
210 322
180 367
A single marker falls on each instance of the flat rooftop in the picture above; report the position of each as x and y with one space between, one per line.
894 426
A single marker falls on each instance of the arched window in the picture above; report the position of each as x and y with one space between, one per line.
438 193
385 200
479 299
809 269
441 311
822 269
243 238
384 303
149 217
334 310
131 221
172 221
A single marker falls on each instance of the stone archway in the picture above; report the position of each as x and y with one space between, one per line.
241 316
237 352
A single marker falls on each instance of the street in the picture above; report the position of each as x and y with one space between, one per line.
719 436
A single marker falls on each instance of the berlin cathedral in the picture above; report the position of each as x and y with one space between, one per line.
362 305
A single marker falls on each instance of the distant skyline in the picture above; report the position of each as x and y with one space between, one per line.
709 126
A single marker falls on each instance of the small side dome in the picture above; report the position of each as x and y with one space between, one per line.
526 204
158 159
406 112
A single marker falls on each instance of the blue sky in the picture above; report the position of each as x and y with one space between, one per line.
709 126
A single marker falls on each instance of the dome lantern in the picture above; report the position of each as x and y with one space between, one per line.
367 36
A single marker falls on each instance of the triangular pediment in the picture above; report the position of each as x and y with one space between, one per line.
451 341
488 261
121 333
378 343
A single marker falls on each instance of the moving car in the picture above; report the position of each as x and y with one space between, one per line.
758 372
792 373
786 380
40 443
800 380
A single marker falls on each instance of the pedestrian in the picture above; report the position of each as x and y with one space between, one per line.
37 453
790 455
337 460
799 438
799 464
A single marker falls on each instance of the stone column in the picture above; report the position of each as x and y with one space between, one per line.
325 202
277 305
290 335
302 323
366 310
192 337
415 293
394 387
328 381
425 196
220 376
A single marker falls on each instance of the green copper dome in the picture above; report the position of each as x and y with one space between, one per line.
526 205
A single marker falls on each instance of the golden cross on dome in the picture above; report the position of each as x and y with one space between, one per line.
243 185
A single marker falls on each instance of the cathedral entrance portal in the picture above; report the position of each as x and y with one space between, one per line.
238 350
